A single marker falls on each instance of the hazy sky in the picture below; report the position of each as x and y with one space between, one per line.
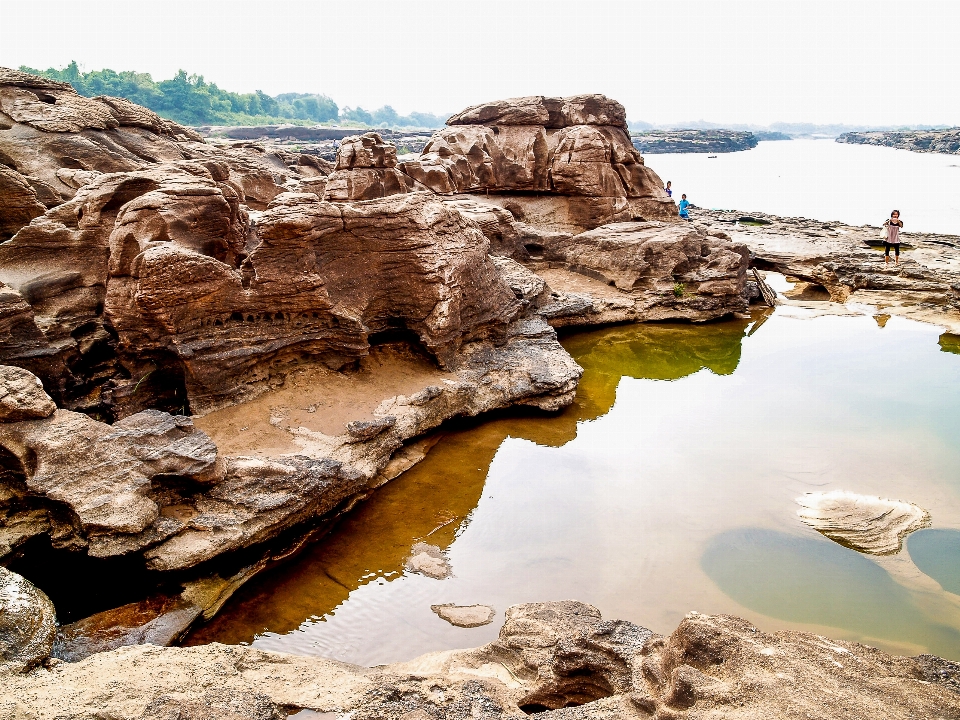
735 61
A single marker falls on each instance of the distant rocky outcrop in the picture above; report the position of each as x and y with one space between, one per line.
927 141
694 141
559 163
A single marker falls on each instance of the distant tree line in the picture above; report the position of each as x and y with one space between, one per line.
191 100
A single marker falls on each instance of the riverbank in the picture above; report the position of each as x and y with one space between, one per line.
694 141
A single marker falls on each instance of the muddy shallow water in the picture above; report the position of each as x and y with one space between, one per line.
669 486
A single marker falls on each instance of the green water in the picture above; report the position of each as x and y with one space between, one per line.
667 487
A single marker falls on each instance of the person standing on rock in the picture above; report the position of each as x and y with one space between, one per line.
893 226
669 189
684 204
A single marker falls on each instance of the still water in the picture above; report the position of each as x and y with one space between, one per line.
823 180
667 487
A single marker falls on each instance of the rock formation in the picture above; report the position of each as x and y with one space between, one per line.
28 624
367 169
926 141
558 163
558 660
694 141
863 522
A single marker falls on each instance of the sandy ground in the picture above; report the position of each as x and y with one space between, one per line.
567 281
320 400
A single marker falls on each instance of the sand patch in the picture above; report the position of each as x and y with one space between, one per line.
320 400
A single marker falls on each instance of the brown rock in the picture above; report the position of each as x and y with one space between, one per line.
547 111
18 202
561 164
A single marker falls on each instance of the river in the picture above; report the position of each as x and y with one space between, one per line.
669 486
823 180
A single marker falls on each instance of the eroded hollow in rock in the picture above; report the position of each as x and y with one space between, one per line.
80 585
579 687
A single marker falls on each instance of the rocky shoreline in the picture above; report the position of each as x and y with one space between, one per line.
208 352
694 141
927 141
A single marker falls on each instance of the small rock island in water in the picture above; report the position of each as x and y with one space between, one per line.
211 351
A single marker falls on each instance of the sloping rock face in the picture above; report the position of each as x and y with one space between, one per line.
557 660
558 163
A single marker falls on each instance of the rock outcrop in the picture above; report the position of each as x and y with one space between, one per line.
694 141
558 163
640 272
367 169
28 624
865 523
558 660
926 141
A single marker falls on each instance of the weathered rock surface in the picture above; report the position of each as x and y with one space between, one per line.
28 623
465 616
640 272
845 262
865 523
559 163
694 141
559 659
367 169
936 141
22 396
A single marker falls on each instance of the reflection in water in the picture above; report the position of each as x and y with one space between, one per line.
937 554
433 500
950 343
680 437
811 580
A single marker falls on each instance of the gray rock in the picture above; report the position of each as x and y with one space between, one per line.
22 396
28 622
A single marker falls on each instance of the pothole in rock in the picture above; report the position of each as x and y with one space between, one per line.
578 688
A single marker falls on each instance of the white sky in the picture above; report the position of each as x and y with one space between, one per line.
879 62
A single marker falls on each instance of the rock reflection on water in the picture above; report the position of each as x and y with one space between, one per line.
813 580
680 437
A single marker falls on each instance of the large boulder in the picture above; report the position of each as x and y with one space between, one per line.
558 163
28 622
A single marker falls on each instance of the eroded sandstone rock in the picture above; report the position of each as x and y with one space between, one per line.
558 163
22 396
465 616
28 623
865 523
558 659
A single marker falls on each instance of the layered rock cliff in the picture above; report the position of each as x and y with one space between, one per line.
560 163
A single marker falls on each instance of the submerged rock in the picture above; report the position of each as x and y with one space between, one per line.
465 616
428 560
865 523
28 623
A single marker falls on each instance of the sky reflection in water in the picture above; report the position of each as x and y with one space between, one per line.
667 487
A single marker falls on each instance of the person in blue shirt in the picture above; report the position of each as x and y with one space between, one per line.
684 204
669 189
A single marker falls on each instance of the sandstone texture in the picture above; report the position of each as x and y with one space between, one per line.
22 396
928 141
863 522
559 163
694 141
28 623
558 660
843 264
